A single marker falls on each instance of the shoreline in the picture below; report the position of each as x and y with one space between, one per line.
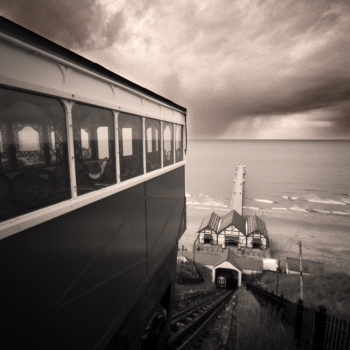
328 242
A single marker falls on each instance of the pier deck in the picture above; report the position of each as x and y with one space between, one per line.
237 193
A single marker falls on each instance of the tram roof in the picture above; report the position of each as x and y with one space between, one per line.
37 40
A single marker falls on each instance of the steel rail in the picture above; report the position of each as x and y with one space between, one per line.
198 325
187 312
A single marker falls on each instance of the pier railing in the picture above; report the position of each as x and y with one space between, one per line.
314 330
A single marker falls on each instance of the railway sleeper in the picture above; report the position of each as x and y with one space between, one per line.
187 335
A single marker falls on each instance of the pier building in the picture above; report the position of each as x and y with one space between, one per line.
208 230
232 230
257 235
243 235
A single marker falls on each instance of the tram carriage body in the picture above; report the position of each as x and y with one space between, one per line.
92 194
221 282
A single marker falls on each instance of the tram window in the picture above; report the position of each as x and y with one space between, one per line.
153 160
149 140
34 169
127 141
94 148
168 157
130 146
178 143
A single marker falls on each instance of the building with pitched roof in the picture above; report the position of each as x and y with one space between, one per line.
208 229
231 230
228 268
257 235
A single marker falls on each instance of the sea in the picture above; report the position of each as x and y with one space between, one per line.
301 189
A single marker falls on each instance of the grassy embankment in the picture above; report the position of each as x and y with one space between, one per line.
260 327
329 289
256 327
186 270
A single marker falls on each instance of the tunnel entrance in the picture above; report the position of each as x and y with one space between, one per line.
226 278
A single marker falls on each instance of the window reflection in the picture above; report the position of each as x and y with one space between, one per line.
168 157
28 139
127 141
33 153
94 148
153 160
130 146
178 143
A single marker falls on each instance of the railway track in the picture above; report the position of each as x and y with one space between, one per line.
189 325
195 296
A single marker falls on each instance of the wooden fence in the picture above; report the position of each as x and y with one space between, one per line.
314 330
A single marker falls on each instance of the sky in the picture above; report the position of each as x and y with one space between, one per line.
244 69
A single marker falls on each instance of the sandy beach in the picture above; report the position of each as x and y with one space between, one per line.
320 241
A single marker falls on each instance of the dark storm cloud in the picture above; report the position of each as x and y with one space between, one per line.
73 24
242 68
279 58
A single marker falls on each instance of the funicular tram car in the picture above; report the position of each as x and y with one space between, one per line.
92 193
221 282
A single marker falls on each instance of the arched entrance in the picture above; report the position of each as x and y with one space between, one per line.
231 276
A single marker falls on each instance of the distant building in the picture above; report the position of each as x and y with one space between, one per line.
257 236
229 268
208 230
231 230
234 230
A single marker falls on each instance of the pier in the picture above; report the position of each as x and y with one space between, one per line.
237 193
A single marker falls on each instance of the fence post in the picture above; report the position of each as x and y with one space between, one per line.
320 328
299 321
281 307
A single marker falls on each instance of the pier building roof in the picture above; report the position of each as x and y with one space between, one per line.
211 221
256 225
232 218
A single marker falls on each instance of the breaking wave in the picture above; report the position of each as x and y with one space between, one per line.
340 213
296 208
264 200
209 204
326 201
192 202
290 198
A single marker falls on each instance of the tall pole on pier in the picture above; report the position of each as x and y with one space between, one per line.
301 272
